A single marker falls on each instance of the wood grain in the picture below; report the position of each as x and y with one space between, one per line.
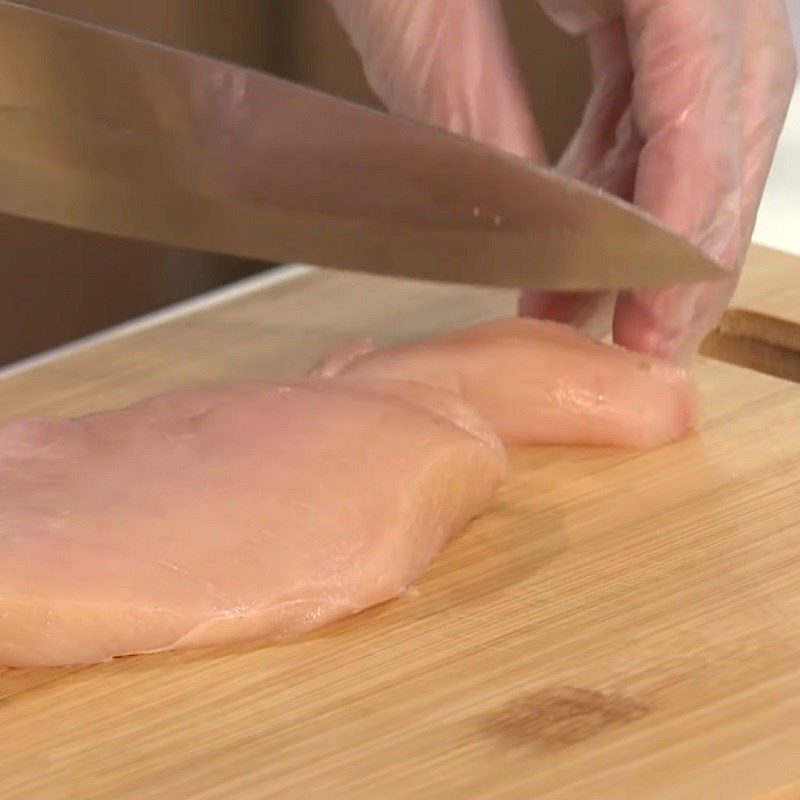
620 625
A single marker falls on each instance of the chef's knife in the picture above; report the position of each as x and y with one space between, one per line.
112 134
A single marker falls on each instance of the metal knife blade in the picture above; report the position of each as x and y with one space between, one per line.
112 134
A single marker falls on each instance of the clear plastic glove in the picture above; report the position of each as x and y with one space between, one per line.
688 101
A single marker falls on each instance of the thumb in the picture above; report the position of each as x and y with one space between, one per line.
447 63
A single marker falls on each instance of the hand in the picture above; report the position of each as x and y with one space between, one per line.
687 105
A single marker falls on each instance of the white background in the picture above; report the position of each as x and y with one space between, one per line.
779 218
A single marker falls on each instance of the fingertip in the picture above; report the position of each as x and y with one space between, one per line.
670 323
532 304
636 328
565 307
588 311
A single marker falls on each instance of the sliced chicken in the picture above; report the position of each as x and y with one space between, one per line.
263 510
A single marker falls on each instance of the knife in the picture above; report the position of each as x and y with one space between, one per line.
112 134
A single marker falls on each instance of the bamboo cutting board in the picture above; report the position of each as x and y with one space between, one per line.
620 625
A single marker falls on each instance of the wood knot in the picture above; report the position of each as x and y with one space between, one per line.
560 716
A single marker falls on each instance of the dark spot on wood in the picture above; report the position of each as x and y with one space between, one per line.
561 716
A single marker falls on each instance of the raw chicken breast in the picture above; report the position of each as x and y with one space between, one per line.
213 515
540 382
262 510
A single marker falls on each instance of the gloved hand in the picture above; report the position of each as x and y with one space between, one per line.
688 101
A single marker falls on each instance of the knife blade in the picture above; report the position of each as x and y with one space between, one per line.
112 134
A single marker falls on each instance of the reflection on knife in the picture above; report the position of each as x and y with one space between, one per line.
112 134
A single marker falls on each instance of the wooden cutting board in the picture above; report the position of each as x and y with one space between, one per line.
761 331
620 625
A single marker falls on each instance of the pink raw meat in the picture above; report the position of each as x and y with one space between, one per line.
263 510
539 382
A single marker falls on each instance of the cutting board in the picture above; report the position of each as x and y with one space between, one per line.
761 330
619 625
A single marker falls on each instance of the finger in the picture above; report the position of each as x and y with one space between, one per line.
603 152
687 61
447 63
605 148
590 312
768 78
769 71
